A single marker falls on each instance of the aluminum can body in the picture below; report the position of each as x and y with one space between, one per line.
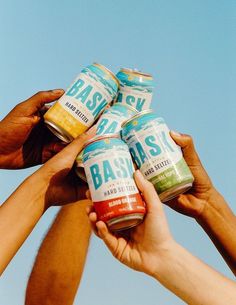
83 102
157 155
136 89
109 171
112 118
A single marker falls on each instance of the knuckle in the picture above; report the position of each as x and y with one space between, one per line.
41 94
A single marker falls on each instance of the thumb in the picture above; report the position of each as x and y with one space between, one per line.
187 145
109 239
69 153
37 101
149 193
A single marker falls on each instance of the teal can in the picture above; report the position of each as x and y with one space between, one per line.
136 89
113 117
157 155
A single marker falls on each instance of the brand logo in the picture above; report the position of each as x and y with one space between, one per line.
136 102
111 170
152 146
88 95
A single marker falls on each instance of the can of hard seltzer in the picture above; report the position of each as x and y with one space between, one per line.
112 118
93 89
136 89
157 155
109 171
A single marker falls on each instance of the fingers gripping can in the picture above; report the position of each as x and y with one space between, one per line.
82 103
112 118
156 154
136 89
109 172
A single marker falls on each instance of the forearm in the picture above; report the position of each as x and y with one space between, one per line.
60 262
219 223
192 280
18 216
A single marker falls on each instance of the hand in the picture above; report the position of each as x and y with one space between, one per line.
57 179
193 202
25 140
141 247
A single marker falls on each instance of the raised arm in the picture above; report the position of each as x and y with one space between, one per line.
53 184
61 258
204 203
150 248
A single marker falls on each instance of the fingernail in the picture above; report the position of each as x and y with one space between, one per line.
175 133
57 91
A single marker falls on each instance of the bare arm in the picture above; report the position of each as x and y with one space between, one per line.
53 184
60 261
219 223
192 280
206 205
150 248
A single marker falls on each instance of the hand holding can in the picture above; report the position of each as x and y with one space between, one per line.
109 172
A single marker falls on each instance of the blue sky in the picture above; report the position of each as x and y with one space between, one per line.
188 46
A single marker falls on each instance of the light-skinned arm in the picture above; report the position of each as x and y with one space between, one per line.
53 184
204 203
150 248
61 258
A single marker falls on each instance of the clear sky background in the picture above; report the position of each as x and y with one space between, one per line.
189 47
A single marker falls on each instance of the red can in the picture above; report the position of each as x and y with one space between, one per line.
109 171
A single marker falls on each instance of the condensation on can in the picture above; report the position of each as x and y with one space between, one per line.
109 172
157 155
136 88
82 103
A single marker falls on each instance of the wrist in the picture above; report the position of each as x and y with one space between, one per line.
214 203
161 258
38 186
165 260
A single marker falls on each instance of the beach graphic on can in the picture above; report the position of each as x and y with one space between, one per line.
112 118
83 102
109 171
157 155
136 89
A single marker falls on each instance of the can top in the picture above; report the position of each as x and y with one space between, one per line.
136 116
109 72
100 137
126 106
136 72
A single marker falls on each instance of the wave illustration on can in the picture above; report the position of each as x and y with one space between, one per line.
112 118
83 102
136 88
109 171
157 155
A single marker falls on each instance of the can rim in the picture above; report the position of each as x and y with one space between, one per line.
108 71
125 105
138 115
100 137
136 72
